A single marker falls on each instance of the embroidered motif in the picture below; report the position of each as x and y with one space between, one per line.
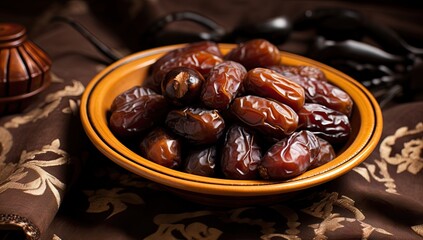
292 221
15 175
51 102
103 200
409 159
6 141
43 179
418 229
331 221
56 79
73 107
55 237
168 225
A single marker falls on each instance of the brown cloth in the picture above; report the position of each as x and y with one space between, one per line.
55 185
379 199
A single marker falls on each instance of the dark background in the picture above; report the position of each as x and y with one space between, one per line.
128 21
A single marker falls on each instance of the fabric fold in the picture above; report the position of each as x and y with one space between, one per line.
41 147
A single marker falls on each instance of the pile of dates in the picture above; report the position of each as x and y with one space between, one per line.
242 115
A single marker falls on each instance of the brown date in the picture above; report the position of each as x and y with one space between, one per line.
326 153
241 154
267 116
310 72
207 46
302 114
197 125
290 157
199 60
161 148
264 82
201 161
223 84
255 53
182 85
321 92
328 95
326 123
136 110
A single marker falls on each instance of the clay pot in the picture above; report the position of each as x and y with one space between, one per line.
24 68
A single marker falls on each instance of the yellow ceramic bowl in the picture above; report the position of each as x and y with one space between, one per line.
132 70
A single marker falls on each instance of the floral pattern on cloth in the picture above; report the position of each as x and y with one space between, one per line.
380 199
113 197
14 173
408 159
31 174
109 196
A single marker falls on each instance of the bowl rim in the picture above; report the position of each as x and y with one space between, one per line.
366 140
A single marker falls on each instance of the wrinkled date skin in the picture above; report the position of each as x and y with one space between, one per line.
267 116
182 85
241 154
244 115
290 157
326 153
268 83
326 123
159 147
321 92
200 60
206 46
329 95
201 161
255 53
136 110
223 84
197 125
310 72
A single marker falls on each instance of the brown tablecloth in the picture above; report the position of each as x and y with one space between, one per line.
55 185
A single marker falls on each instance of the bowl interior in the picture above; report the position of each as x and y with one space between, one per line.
366 123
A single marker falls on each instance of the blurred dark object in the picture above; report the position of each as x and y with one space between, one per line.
156 34
369 52
379 45
343 38
34 15
97 43
24 68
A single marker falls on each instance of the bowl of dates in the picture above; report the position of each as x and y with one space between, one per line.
230 124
